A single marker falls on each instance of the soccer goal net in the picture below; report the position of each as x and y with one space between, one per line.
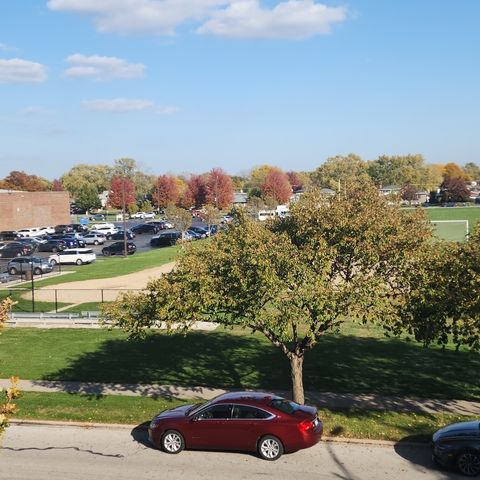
452 230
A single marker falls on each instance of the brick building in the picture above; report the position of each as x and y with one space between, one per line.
33 209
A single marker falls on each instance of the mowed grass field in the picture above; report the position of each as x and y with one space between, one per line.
357 360
453 231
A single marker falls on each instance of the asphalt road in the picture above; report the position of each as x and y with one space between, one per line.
59 453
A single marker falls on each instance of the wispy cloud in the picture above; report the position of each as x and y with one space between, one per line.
102 68
123 105
16 70
290 19
6 48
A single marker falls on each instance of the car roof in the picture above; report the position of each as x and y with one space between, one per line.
245 397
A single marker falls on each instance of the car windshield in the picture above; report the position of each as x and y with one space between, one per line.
285 406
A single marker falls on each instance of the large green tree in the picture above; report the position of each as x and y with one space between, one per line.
83 175
340 173
294 279
87 198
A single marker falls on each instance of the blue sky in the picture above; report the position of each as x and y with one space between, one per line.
188 85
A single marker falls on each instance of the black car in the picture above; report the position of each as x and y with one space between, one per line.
458 445
79 228
63 229
166 239
202 231
8 235
16 249
52 245
145 228
117 248
119 235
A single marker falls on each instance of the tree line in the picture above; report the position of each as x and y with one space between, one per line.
265 185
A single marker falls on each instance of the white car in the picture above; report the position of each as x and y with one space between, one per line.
77 256
138 215
148 215
108 231
46 230
29 232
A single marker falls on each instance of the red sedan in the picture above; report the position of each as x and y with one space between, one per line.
250 421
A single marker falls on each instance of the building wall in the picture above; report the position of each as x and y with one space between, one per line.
33 209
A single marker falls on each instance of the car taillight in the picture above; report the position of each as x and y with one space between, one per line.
305 425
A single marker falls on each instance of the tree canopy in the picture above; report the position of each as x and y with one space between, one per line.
294 279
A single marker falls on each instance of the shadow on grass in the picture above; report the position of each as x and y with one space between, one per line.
340 363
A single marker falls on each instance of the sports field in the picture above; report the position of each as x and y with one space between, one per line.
454 231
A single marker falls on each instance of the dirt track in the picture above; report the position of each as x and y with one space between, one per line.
106 289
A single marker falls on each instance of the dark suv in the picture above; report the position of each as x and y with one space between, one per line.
165 239
63 229
16 249
117 248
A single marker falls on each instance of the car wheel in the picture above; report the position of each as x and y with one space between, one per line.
79 262
53 262
95 242
106 253
270 448
468 463
13 271
37 271
172 442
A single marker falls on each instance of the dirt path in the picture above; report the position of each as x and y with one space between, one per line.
97 290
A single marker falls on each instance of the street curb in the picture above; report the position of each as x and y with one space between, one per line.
122 426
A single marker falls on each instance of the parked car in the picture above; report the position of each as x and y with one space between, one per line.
458 445
202 231
33 241
107 230
79 228
144 228
46 230
249 421
70 241
8 235
117 248
78 256
28 232
137 215
63 228
52 245
16 249
161 224
36 265
93 238
98 217
119 235
191 235
165 239
149 215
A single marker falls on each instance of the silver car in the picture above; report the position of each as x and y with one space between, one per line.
94 238
36 265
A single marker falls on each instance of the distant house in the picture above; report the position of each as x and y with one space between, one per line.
104 197
240 199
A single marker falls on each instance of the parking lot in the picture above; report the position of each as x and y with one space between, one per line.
142 242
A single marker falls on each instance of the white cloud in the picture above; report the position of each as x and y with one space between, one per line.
139 16
16 70
102 68
122 105
292 19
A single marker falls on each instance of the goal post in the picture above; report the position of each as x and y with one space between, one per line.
452 230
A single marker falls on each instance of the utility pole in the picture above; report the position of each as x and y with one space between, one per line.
125 251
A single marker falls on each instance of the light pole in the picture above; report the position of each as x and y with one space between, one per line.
125 252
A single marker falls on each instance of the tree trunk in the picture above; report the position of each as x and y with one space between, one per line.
296 366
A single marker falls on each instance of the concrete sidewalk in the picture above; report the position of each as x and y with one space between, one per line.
321 399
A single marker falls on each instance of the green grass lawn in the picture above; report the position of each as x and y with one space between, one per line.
360 360
115 266
350 423
453 231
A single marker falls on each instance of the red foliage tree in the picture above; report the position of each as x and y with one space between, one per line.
166 191
18 180
121 190
295 181
219 189
276 186
57 186
454 189
196 192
